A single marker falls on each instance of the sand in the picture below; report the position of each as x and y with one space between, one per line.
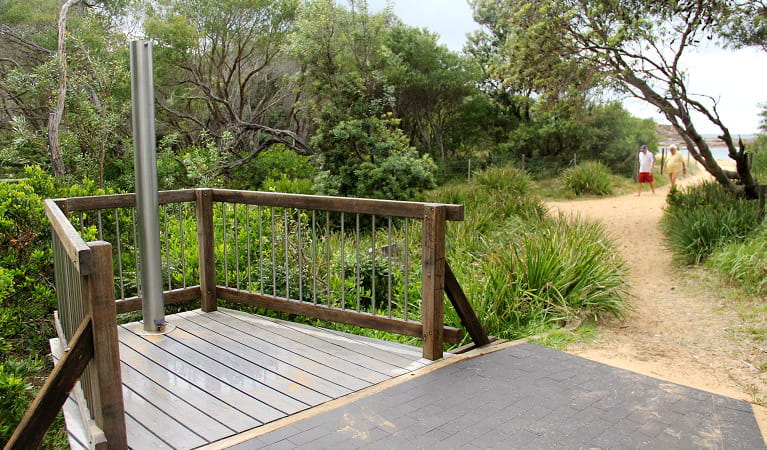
677 329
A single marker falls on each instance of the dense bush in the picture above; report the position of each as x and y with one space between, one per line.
370 157
702 218
591 177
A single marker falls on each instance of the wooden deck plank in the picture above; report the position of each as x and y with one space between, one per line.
268 345
282 337
298 368
139 437
159 422
286 378
392 353
236 371
218 399
332 348
189 416
235 388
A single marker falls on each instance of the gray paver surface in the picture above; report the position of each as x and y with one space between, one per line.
528 396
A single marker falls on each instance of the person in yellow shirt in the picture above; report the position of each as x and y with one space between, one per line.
674 165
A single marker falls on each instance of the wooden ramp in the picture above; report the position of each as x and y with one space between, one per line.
222 373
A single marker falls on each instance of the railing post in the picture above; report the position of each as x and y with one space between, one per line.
206 251
433 273
108 408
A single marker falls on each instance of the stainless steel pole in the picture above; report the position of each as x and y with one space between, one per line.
145 159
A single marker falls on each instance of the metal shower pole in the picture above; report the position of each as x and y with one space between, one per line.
145 160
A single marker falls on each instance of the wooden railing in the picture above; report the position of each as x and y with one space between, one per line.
87 327
354 261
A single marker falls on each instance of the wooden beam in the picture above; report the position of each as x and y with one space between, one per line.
107 396
322 312
206 250
337 204
433 273
40 415
95 202
77 250
184 295
462 306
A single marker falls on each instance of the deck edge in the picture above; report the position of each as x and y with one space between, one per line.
358 395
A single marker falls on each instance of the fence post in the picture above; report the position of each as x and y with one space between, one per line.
206 250
108 408
433 273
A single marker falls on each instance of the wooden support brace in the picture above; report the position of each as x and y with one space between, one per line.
462 306
40 415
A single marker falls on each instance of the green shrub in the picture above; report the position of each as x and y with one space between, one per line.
15 393
744 262
591 177
702 218
533 274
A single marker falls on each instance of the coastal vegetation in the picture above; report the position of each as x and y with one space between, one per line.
327 97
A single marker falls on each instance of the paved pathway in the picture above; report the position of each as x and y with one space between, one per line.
527 396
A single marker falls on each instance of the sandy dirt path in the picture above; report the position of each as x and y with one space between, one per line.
676 330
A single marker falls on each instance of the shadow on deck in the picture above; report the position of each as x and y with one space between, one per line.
223 373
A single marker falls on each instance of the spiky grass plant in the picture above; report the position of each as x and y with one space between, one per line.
590 177
702 218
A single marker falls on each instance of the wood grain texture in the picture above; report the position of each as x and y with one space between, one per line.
77 250
205 245
433 273
176 296
322 312
336 204
96 202
107 403
464 309
40 415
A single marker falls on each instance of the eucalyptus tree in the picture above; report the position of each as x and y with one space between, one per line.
633 46
222 73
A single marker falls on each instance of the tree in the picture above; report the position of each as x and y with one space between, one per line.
221 69
557 47
430 85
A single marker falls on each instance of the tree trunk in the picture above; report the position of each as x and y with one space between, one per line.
54 120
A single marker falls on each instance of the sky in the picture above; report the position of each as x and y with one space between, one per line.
735 78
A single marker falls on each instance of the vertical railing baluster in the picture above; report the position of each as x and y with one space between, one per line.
343 264
274 257
167 244
357 272
407 266
181 241
300 258
136 253
236 246
389 276
119 254
327 251
82 223
100 225
373 263
226 256
314 257
260 253
247 233
285 240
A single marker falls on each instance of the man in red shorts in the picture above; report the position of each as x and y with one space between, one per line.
646 165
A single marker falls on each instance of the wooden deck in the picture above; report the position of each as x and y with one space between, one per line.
222 373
